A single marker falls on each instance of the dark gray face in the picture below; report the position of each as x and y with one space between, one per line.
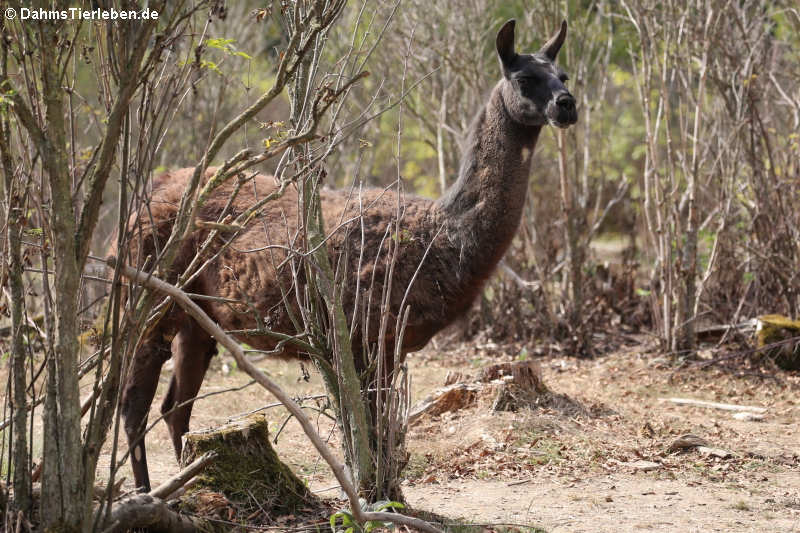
533 86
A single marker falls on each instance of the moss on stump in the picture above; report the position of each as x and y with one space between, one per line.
247 471
784 333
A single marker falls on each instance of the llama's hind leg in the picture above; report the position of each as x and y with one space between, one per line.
139 389
193 349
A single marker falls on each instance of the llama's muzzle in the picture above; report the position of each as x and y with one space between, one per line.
561 111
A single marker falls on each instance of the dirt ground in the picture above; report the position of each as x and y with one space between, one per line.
596 461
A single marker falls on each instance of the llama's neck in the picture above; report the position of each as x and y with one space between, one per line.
482 209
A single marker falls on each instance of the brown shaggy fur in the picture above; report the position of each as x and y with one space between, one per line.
449 247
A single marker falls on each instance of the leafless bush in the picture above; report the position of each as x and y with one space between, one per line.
68 137
716 189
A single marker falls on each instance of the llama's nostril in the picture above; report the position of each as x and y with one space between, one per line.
565 101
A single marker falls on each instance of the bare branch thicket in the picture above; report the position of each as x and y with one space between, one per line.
373 430
323 331
670 70
756 77
42 62
144 73
708 88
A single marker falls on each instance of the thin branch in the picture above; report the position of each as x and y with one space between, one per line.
181 478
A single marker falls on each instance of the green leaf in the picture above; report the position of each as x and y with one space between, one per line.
523 355
382 506
346 518
219 43
226 45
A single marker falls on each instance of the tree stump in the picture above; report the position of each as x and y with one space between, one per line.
246 475
512 386
507 386
783 333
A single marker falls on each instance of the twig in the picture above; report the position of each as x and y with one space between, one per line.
519 280
326 489
715 405
180 479
205 224
276 404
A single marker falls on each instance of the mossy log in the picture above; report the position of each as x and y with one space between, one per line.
246 474
784 334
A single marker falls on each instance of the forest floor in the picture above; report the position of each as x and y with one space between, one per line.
598 463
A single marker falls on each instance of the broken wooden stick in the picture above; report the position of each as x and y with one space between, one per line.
451 398
180 479
715 405
229 228
747 416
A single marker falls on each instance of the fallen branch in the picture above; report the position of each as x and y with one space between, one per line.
99 491
716 452
144 511
718 332
715 405
747 416
216 332
180 479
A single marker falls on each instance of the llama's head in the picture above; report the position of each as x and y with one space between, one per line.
533 86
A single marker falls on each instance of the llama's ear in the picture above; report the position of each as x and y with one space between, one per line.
505 44
551 47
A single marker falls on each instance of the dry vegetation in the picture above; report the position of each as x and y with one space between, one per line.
597 461
656 231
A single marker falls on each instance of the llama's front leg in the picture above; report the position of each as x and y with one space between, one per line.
193 350
139 389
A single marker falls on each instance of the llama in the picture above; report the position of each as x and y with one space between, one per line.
449 246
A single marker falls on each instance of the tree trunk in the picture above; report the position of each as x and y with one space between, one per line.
575 256
67 502
19 406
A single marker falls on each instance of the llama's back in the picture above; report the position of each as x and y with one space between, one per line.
262 269
150 227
